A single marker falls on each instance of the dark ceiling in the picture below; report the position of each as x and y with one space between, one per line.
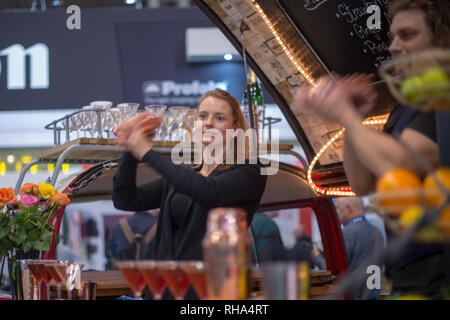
27 4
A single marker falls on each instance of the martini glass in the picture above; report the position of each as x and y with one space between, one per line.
176 279
37 275
152 277
196 273
128 109
179 126
41 274
58 270
133 277
158 110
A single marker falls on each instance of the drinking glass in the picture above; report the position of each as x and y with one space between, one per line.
166 122
133 277
196 273
157 109
41 274
128 109
71 275
101 105
101 109
179 128
37 275
176 279
89 119
75 125
58 270
152 277
116 117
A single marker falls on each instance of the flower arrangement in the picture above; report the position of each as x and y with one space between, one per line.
24 218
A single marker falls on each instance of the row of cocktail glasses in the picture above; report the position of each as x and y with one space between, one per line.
58 272
159 275
99 118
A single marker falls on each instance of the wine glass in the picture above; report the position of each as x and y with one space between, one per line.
152 277
196 273
179 126
176 279
133 277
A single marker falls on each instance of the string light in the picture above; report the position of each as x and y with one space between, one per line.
341 191
34 169
288 53
2 168
65 167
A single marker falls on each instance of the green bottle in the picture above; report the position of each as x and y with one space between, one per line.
254 86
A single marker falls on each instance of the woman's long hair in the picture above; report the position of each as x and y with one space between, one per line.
238 120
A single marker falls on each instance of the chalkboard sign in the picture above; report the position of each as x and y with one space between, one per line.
339 34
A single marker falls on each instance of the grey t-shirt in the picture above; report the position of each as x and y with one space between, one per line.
359 238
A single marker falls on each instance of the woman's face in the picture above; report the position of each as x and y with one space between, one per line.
215 113
410 32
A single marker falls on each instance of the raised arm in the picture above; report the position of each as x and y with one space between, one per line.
127 196
241 183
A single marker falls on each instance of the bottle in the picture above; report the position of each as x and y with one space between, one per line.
254 86
226 254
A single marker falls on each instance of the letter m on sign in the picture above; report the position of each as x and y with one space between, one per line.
16 74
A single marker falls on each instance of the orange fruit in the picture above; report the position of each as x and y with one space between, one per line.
444 220
398 189
434 197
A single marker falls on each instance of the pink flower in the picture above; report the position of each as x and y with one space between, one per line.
28 200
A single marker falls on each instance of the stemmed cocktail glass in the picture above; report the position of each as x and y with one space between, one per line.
158 110
133 277
176 279
196 273
153 277
58 270
179 127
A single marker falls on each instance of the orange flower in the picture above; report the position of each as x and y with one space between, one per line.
29 188
7 196
60 198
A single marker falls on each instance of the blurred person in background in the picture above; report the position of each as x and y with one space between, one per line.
362 240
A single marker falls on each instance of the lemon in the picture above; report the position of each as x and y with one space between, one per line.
409 217
412 89
435 83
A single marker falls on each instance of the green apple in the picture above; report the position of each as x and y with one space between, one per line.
436 83
412 89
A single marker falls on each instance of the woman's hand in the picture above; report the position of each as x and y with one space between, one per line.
134 135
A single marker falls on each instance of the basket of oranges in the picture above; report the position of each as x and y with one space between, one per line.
420 80
405 199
